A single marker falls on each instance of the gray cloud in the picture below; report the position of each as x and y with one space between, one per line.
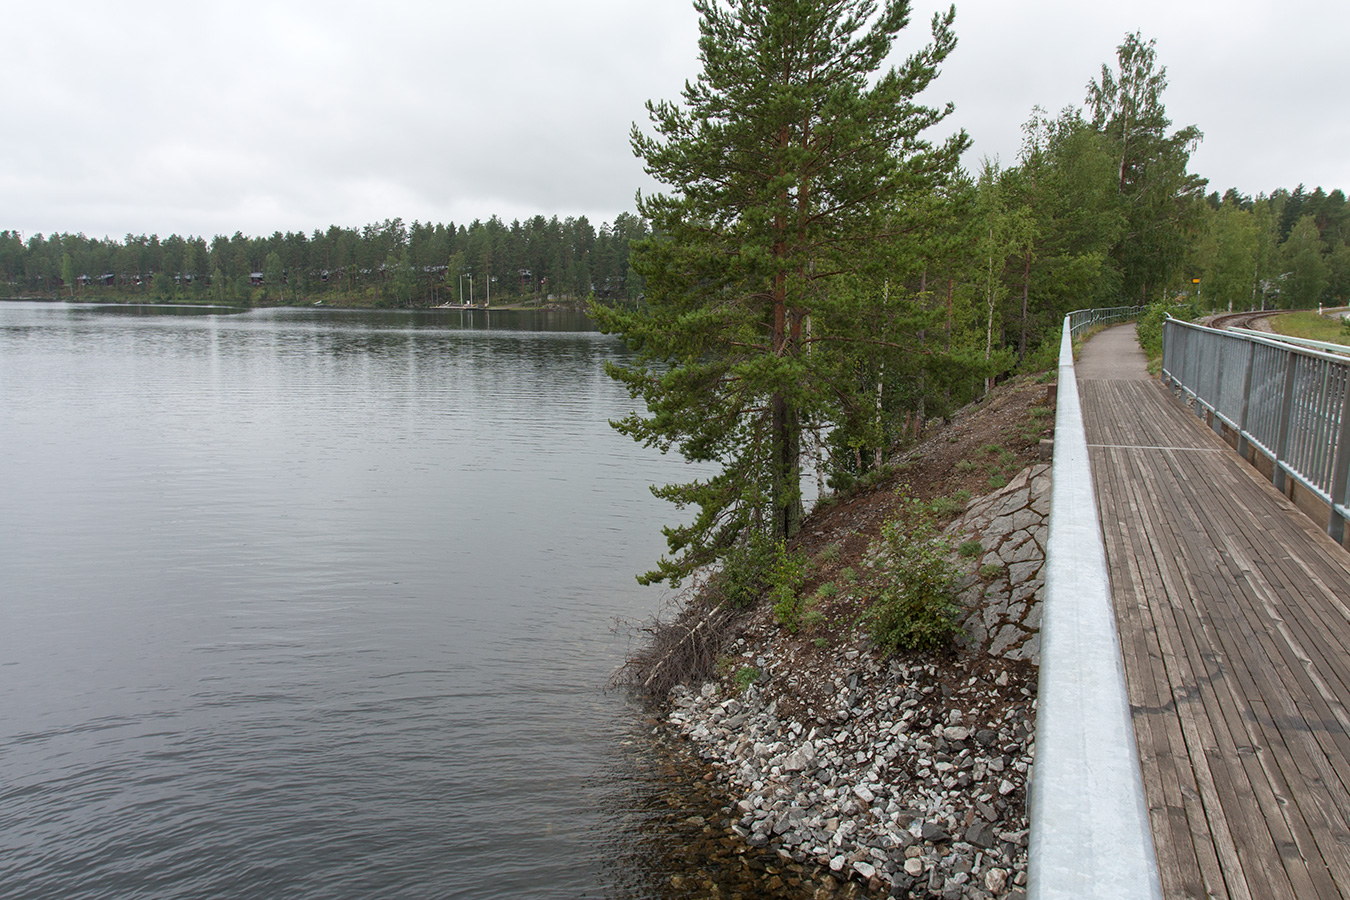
207 118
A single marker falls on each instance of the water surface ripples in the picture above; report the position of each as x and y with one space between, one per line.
314 604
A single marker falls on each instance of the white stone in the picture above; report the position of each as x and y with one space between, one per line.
914 866
995 880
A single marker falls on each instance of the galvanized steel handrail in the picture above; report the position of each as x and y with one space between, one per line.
1081 320
1090 833
1324 346
1291 403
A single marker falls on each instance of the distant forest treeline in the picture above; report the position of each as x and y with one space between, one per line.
1286 249
384 264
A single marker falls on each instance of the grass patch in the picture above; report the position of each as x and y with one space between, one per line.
946 507
970 549
1308 324
990 571
745 676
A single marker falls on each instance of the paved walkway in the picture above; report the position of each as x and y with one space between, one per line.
1234 615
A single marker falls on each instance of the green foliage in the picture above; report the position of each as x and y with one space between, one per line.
1307 275
946 507
970 548
1155 191
915 604
745 677
529 261
744 574
827 591
782 180
786 575
1308 324
1149 327
990 571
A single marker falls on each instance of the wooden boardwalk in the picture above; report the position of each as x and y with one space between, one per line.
1234 616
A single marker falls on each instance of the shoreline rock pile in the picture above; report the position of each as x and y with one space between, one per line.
913 780
912 785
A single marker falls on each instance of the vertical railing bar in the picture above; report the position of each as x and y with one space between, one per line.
1340 469
1215 422
1246 399
1285 407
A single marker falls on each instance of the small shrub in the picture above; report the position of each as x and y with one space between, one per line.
848 575
914 607
965 465
746 676
819 642
971 549
745 572
997 480
990 571
1149 329
830 553
827 590
785 577
812 618
946 507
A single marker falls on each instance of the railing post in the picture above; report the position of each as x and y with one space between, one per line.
1340 471
1278 477
1246 399
1216 394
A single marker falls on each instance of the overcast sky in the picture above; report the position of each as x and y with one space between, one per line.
207 118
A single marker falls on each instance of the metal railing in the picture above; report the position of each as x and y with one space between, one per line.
1090 833
1289 402
1081 320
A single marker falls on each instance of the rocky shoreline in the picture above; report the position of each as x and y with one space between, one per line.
905 774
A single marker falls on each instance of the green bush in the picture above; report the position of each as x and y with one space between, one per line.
745 572
915 603
746 676
1150 324
947 507
785 578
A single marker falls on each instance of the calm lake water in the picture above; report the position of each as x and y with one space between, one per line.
317 604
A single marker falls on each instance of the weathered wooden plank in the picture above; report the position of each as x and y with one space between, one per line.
1245 846
1234 613
1223 628
1187 856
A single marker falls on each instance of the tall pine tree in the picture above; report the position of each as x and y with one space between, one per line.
789 156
